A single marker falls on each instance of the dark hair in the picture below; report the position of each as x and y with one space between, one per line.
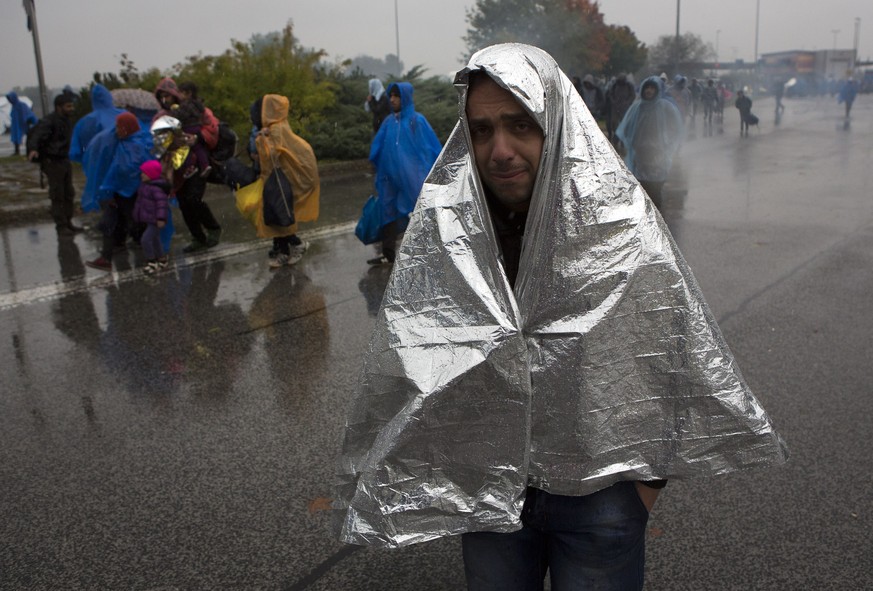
476 76
255 113
63 99
188 86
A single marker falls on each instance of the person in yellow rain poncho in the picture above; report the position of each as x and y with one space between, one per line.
288 179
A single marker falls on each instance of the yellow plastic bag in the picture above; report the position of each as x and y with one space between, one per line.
249 202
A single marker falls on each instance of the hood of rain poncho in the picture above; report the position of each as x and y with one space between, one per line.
102 116
21 117
604 364
376 90
403 153
111 166
169 86
656 122
279 146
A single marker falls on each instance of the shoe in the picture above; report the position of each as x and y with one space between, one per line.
280 260
380 260
100 263
150 268
194 247
162 263
297 252
212 237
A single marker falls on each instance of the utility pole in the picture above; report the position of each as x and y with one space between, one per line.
757 28
676 44
857 39
30 9
717 33
397 37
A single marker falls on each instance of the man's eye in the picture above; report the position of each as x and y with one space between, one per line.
523 126
479 131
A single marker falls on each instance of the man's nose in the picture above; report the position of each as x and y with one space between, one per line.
503 146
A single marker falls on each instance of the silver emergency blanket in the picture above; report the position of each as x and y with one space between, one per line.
605 364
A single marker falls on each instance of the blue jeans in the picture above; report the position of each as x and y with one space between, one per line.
592 542
152 247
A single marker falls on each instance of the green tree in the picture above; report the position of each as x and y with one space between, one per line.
268 64
326 101
345 132
686 53
572 31
626 53
129 76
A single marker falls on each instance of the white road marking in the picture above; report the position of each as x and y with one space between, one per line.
57 289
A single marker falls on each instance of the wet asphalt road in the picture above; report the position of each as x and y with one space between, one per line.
179 432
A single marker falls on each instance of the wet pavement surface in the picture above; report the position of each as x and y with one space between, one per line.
179 432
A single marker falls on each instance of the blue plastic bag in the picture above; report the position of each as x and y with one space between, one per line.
369 228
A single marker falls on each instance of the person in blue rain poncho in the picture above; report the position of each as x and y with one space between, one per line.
112 162
403 152
651 132
102 116
21 119
848 92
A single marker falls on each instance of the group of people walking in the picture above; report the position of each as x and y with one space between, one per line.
136 167
648 127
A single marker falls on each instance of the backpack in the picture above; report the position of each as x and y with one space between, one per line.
226 146
225 149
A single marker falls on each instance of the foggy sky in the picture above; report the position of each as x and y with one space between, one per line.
79 38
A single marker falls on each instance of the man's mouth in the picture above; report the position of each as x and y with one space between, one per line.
508 175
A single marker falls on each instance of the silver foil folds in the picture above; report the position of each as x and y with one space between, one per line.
604 363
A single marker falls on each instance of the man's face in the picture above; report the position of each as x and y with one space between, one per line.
507 143
649 92
66 109
394 100
166 99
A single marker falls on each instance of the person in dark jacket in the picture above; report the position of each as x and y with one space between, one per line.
377 103
620 96
709 99
152 209
592 95
49 144
187 187
744 104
